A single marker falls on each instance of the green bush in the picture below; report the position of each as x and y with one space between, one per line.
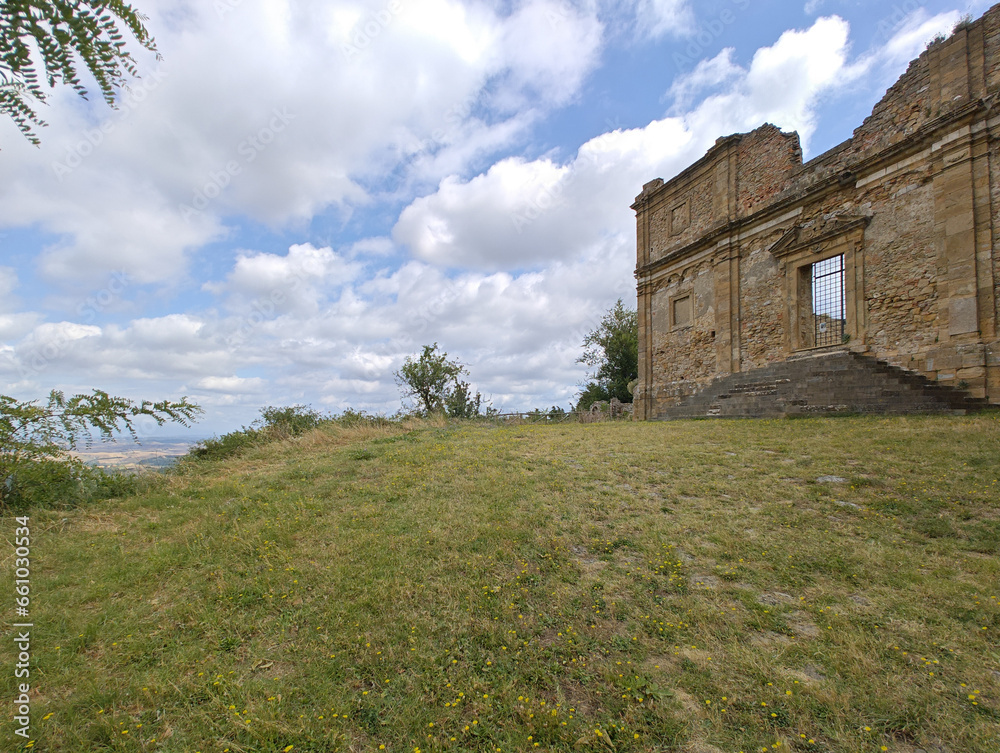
352 417
65 483
292 421
228 445
273 425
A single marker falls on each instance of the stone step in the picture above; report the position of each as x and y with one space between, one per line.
828 383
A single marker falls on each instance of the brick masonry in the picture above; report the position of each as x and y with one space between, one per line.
725 249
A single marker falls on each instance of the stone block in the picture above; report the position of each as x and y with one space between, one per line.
963 316
968 375
974 355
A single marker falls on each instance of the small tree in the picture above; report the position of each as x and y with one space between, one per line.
460 402
43 434
434 381
592 393
614 349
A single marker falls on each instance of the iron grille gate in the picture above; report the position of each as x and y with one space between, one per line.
828 301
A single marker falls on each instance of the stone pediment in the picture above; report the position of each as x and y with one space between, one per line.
816 231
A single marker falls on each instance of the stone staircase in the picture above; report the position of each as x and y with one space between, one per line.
823 383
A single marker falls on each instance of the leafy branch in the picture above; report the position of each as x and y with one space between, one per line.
31 432
62 31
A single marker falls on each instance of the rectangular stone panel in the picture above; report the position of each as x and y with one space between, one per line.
962 317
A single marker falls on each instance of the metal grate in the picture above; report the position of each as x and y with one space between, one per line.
828 301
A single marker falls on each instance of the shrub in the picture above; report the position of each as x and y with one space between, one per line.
435 383
51 484
292 421
35 440
273 425
225 446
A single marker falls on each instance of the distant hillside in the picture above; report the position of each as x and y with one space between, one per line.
159 453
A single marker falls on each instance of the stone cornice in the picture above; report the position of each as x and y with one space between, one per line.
920 139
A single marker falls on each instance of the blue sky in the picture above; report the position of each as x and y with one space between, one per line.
303 193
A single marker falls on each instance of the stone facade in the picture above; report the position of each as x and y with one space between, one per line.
732 253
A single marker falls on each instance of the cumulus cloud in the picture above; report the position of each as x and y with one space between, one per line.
482 222
913 34
707 76
549 46
296 281
529 213
280 111
13 327
230 385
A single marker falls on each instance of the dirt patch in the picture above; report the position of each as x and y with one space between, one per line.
661 663
774 598
588 562
697 655
768 638
687 701
696 580
696 746
576 696
809 674
803 627
932 747
549 638
98 523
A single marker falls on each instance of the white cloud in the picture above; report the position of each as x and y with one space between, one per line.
371 247
281 111
707 76
57 334
656 18
529 213
230 384
297 281
910 39
550 46
169 332
13 327
481 223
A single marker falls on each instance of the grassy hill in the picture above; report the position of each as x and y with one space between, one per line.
798 585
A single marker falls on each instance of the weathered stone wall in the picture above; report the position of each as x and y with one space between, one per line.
901 273
766 159
762 297
683 353
904 108
991 41
682 220
911 202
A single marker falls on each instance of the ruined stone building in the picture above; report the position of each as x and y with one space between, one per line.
880 251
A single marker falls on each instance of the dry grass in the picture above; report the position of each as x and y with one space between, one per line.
689 586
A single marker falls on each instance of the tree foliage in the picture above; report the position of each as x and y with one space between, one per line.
63 32
33 434
435 383
460 402
614 349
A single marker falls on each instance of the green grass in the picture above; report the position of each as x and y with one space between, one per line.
685 586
